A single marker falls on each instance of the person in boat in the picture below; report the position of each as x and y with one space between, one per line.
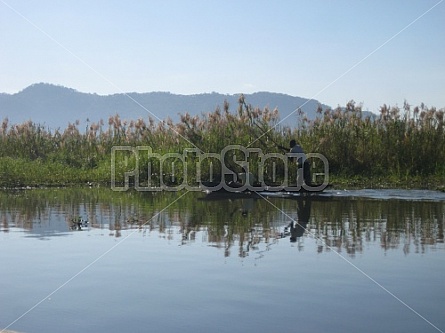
302 161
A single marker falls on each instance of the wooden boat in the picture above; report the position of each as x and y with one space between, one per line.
234 190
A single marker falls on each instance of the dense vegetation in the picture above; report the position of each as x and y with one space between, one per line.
400 144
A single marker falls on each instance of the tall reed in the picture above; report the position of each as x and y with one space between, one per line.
397 142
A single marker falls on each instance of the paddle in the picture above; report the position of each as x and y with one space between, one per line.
266 133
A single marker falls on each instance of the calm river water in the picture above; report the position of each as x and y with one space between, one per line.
94 260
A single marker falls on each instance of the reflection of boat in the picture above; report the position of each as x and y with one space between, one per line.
219 190
222 195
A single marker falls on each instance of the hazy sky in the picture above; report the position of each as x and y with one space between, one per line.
374 52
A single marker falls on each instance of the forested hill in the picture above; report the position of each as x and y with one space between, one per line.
54 106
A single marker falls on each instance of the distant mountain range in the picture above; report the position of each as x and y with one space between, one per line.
54 106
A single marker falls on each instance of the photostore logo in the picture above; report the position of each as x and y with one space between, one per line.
235 169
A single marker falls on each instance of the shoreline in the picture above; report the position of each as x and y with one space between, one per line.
435 183
337 183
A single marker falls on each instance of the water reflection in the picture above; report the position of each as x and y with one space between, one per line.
238 225
297 228
409 225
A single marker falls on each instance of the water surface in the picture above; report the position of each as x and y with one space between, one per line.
93 260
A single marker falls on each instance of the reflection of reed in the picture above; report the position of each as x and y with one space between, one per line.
394 224
239 227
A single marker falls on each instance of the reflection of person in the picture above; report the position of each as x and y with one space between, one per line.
295 148
297 228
